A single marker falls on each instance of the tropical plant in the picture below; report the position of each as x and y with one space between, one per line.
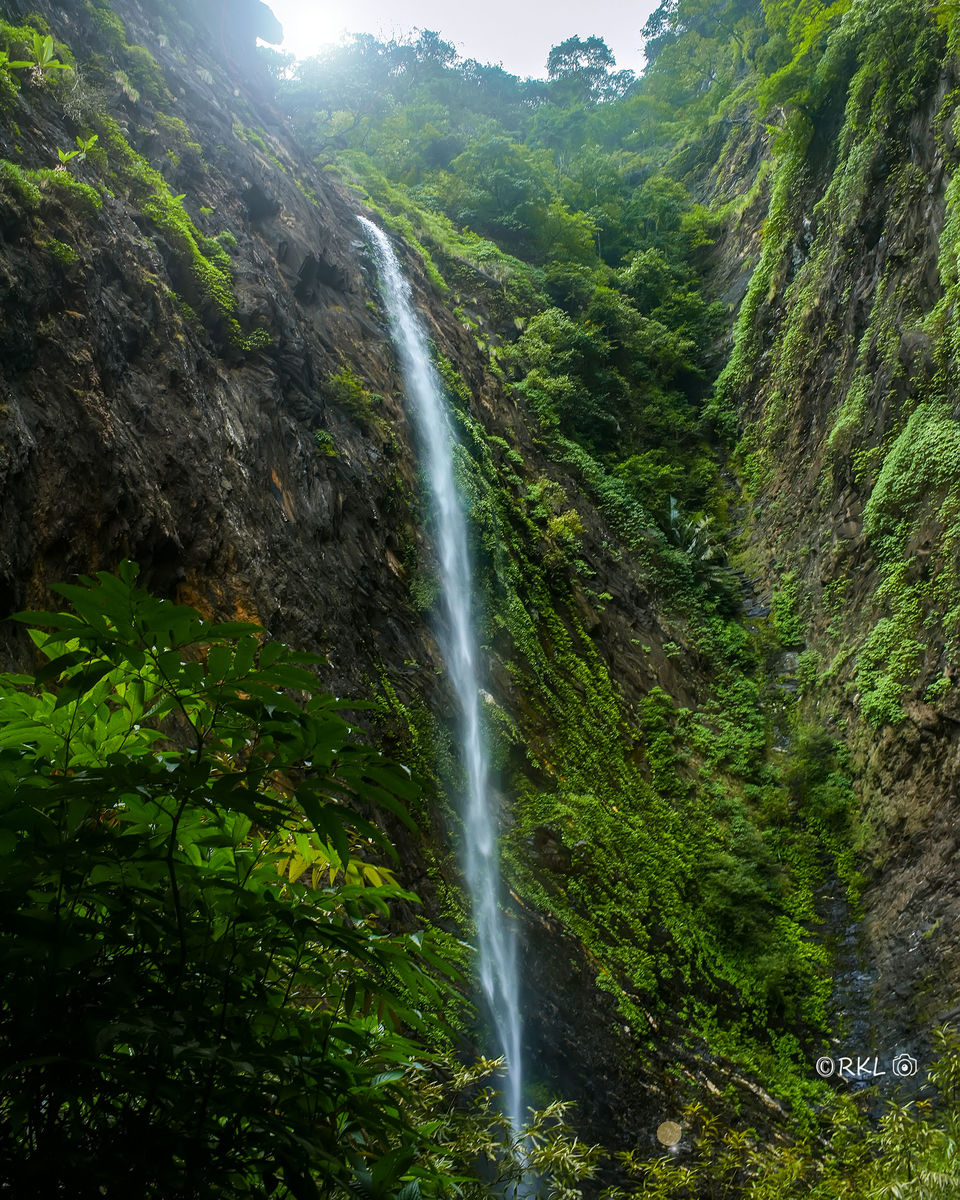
203 996
84 146
42 62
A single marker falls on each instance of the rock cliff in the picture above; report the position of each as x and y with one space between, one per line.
843 375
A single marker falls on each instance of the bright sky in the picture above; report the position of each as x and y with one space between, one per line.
516 33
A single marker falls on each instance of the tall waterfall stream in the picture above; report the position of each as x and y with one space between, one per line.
428 408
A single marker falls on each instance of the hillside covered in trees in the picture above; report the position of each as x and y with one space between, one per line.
696 333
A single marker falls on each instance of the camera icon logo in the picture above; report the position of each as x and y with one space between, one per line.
904 1065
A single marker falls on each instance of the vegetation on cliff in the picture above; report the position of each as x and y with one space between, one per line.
586 183
210 999
695 801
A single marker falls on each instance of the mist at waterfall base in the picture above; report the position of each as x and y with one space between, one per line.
496 946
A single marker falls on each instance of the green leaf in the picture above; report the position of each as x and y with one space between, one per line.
140 889
82 682
56 667
235 629
52 620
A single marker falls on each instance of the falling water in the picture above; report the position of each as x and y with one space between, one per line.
496 949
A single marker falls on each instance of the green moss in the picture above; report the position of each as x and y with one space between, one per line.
347 391
109 27
849 420
940 686
18 43
64 254
424 591
785 612
214 250
17 183
782 219
19 40
892 431
146 74
207 279
175 130
878 59
139 72
808 671
675 890
32 188
80 197
614 499
9 87
257 339
169 216
919 471
893 652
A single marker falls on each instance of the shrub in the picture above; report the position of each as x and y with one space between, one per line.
193 907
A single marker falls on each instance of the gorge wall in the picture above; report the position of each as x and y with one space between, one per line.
844 375
196 375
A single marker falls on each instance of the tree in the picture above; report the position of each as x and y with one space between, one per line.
706 18
591 58
584 69
202 994
503 189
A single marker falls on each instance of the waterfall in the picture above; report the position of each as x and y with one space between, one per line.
428 408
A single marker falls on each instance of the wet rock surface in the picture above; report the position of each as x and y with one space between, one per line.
808 518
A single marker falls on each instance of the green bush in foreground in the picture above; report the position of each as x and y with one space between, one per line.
202 998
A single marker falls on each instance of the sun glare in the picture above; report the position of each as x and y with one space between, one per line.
516 33
307 28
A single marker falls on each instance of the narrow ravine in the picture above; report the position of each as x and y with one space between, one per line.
496 947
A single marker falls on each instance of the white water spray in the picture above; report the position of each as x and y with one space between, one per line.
496 946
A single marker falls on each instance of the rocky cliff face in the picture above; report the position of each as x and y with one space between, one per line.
138 422
134 427
844 373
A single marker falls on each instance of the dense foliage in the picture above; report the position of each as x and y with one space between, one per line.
559 204
205 997
619 337
205 992
218 990
586 184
